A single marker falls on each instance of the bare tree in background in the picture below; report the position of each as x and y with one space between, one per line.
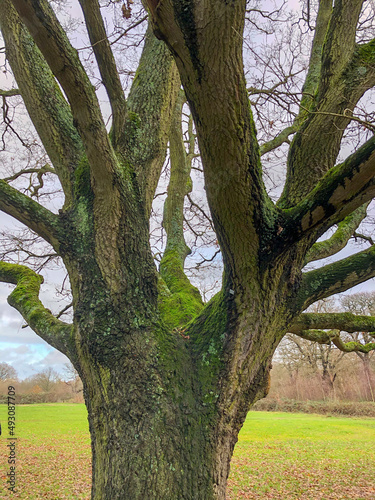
7 372
362 303
323 360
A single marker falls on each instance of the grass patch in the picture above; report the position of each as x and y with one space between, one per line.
296 456
278 456
53 452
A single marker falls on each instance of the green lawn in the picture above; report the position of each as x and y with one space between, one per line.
279 456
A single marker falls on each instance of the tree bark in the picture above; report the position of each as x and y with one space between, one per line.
164 411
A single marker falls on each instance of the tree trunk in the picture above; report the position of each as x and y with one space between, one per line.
368 377
150 438
164 412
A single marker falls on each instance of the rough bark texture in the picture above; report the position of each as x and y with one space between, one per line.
168 381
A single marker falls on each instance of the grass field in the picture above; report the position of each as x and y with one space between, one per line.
279 456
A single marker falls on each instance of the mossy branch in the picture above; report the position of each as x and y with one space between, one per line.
30 213
339 239
341 84
65 64
315 64
342 190
343 321
333 337
45 103
340 42
280 139
185 302
25 298
9 93
180 185
336 277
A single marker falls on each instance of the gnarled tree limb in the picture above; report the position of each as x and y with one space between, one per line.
333 337
25 298
185 300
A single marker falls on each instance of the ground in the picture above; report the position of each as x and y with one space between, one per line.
279 456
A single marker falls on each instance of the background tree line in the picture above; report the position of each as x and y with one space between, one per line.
46 386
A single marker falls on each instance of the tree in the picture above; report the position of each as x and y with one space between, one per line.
168 381
46 379
362 303
7 372
73 378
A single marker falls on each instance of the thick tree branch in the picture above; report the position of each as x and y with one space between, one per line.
343 321
185 301
345 230
107 65
213 78
336 277
64 62
342 82
150 104
333 337
345 188
312 78
45 103
340 42
25 298
32 214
